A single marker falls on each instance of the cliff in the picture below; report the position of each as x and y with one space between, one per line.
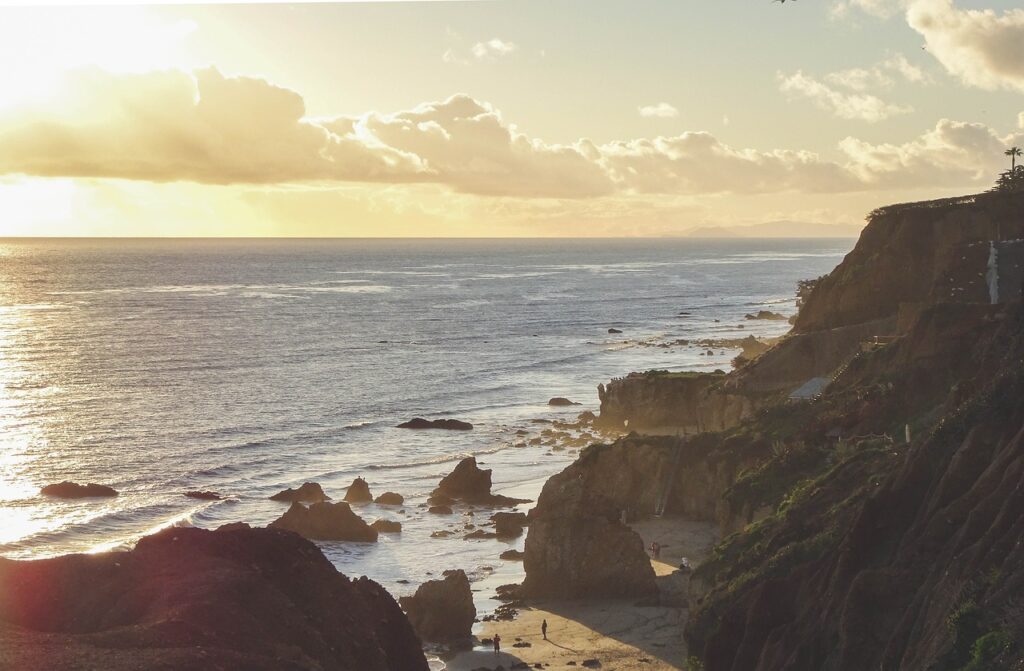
193 599
876 526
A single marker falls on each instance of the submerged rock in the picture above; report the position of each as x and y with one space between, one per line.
470 484
442 611
204 496
326 522
561 401
358 492
448 424
387 526
309 492
390 499
766 314
254 599
511 555
440 510
73 490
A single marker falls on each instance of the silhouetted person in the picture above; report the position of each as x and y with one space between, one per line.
497 644
544 629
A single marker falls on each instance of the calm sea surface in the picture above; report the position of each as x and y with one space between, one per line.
247 366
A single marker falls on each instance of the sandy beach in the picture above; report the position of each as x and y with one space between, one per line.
617 633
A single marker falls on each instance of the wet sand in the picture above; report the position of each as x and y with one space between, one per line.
619 634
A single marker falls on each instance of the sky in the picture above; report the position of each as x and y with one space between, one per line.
498 118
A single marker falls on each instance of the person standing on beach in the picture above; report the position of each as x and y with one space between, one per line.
497 644
544 629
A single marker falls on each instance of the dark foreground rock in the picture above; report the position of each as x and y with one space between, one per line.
447 424
254 599
358 492
309 492
470 484
442 611
390 499
326 522
73 490
508 525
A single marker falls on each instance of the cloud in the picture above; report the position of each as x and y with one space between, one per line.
661 110
846 105
981 47
492 49
202 127
208 128
880 75
1020 121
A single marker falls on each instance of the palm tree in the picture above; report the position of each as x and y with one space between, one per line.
1013 153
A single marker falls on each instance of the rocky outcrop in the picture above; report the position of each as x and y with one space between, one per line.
387 526
446 424
358 492
656 401
578 547
560 401
470 484
204 496
766 315
309 492
913 254
326 522
390 499
442 611
73 490
509 525
255 599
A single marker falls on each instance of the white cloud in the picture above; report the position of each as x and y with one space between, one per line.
659 111
982 48
492 49
1020 121
206 128
846 105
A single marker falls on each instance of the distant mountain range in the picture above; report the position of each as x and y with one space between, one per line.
777 229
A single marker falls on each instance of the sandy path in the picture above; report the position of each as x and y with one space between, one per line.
619 634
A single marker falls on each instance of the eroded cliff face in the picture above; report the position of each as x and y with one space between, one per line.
909 254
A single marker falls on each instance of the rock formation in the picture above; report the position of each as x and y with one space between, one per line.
204 496
390 499
577 547
470 484
73 490
326 522
561 401
508 525
358 492
442 611
255 599
447 424
387 526
309 492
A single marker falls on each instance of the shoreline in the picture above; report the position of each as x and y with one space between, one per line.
618 632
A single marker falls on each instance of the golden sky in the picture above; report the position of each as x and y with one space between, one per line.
526 118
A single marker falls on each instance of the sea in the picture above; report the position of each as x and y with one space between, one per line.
244 367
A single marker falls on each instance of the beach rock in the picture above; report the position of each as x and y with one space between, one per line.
561 401
442 611
470 484
326 522
186 598
390 499
509 525
387 526
444 533
613 330
586 417
591 664
447 424
358 492
440 510
204 496
309 492
73 490
511 555
479 534
578 548
766 314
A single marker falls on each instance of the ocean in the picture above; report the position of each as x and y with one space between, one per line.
248 366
